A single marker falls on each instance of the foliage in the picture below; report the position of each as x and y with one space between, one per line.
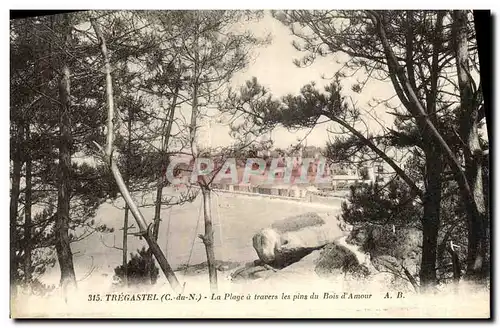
38 47
140 269
391 204
385 226
165 61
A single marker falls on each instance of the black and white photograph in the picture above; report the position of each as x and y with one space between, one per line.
181 164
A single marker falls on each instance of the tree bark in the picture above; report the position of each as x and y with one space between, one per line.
431 219
469 109
157 217
165 160
14 202
125 246
125 217
27 217
63 247
433 169
208 239
455 260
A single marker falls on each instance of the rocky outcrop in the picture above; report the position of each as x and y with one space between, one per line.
334 260
290 239
373 256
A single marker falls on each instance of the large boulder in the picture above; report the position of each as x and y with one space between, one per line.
290 239
334 262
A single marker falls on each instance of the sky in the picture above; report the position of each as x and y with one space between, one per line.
274 68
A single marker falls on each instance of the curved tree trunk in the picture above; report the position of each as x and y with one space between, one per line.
108 156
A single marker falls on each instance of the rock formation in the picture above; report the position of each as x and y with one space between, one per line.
290 239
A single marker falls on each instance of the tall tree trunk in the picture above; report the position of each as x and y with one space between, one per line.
205 189
27 217
165 159
208 238
161 183
125 217
127 184
157 217
477 240
433 160
63 247
125 246
14 202
431 219
156 225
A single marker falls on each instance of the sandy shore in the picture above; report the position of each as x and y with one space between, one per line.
296 292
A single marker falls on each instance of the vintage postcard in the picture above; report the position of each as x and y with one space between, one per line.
249 164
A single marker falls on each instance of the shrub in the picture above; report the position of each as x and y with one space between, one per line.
140 270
